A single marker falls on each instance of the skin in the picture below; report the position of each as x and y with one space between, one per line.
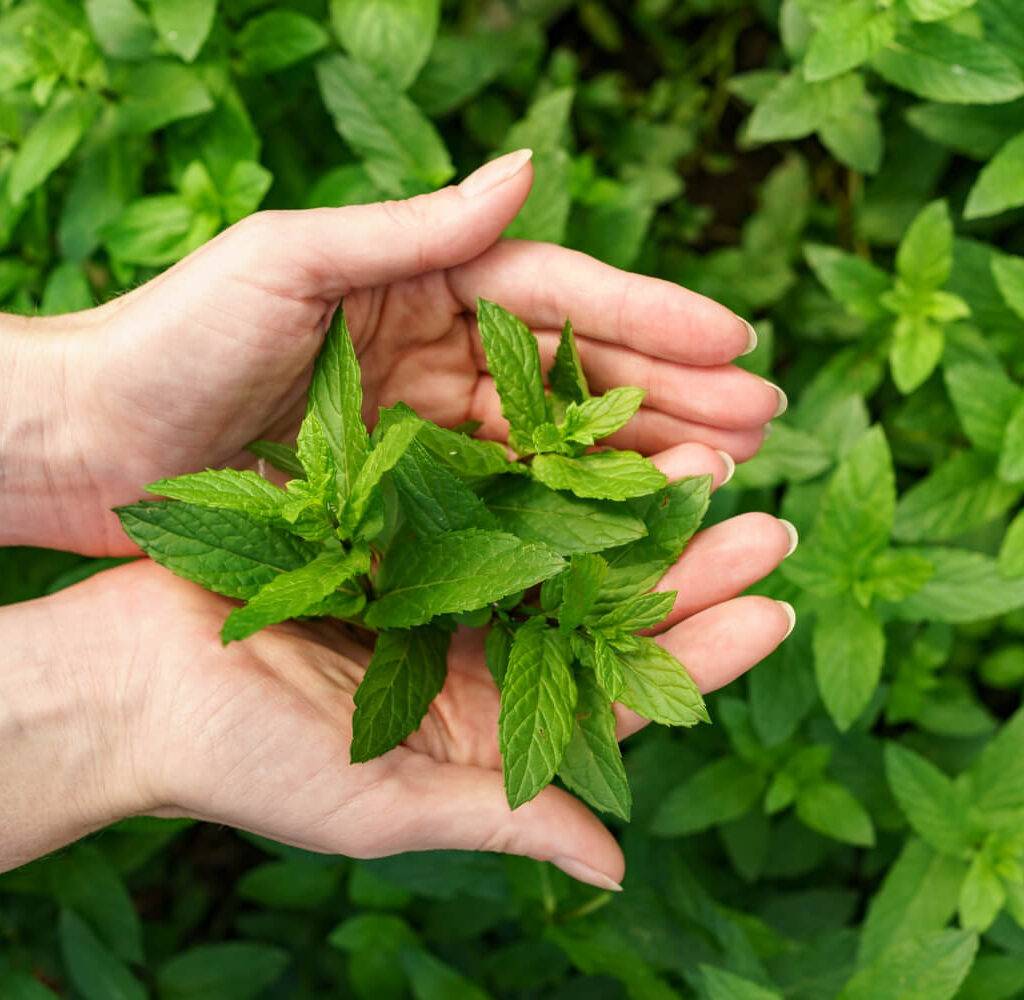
149 714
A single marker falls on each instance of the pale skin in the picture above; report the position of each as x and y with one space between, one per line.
116 697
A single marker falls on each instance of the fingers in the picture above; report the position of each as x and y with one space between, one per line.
545 285
719 644
726 559
683 460
648 432
327 252
432 806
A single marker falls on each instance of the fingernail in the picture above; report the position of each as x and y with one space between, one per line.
490 175
791 615
783 399
730 466
794 536
576 869
766 431
751 339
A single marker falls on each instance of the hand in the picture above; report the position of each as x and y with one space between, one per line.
256 735
183 372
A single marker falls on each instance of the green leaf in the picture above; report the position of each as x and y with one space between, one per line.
718 793
965 587
1000 185
405 674
385 456
581 583
401 150
566 376
466 456
513 360
1009 275
497 647
849 650
157 92
657 686
183 25
1011 552
894 576
1011 457
120 28
846 37
159 230
247 185
457 571
636 613
289 885
279 38
49 142
984 399
939 64
853 281
96 972
296 592
916 351
592 764
601 475
562 522
956 497
224 489
225 551
232 970
538 702
934 807
929 966
982 895
601 416
719 984
919 894
795 107
336 399
925 256
434 499
392 37
608 668
936 10
996 773
830 809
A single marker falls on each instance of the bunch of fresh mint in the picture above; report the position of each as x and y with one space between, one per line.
415 529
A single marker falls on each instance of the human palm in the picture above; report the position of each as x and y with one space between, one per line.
218 351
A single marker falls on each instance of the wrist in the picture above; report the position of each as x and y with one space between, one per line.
65 753
44 485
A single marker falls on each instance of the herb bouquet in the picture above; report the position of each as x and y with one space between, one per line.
415 529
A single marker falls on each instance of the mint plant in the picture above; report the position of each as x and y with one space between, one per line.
414 529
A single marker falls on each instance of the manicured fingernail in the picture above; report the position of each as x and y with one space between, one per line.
576 869
490 175
751 339
791 615
783 399
730 466
794 536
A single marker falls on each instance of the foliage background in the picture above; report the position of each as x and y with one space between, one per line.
850 174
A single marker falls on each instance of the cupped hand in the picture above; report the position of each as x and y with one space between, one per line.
181 373
256 735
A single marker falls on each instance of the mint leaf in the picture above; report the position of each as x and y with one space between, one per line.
497 647
849 650
581 583
400 147
916 350
183 25
433 498
853 281
592 763
224 489
657 686
984 398
999 186
608 668
280 456
225 551
848 36
934 807
317 460
279 38
566 524
566 377
513 360
538 702
1011 552
982 895
385 456
602 475
336 399
601 416
296 592
405 674
830 809
722 791
996 776
453 572
1011 457
924 259
636 613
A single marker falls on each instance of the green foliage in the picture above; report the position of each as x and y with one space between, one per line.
847 175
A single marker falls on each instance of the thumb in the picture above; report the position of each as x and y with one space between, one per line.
461 807
328 252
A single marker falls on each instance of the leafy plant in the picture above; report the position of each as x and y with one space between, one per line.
415 529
